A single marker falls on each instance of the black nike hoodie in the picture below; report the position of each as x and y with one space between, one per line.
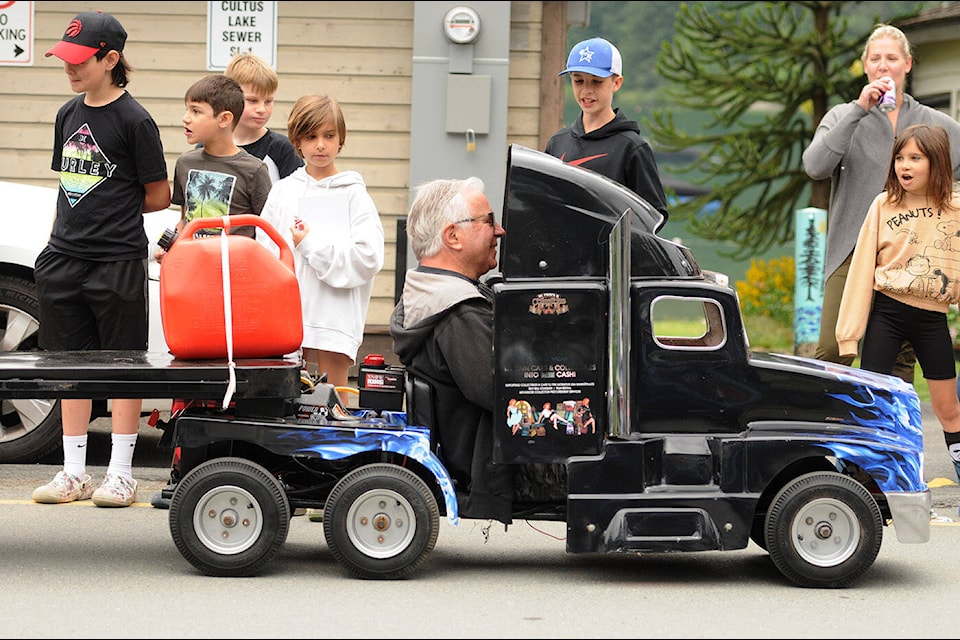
616 150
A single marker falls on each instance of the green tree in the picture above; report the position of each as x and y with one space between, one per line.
762 75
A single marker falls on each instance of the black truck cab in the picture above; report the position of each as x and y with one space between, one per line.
694 439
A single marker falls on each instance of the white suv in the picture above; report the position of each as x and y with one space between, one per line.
30 429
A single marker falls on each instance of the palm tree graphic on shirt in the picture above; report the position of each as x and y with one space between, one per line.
208 193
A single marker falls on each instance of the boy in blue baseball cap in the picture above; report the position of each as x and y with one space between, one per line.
602 138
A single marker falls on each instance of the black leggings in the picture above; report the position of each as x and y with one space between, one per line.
891 322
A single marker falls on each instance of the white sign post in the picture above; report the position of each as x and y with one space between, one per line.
238 27
16 34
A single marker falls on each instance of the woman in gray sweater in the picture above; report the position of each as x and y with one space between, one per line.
852 147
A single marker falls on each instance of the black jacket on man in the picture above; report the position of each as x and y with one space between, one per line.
442 331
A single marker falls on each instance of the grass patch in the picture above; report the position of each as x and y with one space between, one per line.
920 384
769 334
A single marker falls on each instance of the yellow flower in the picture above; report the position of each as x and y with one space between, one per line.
768 289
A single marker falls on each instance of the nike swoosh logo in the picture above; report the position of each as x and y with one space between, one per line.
577 163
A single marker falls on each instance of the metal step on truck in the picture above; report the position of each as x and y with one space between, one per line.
658 439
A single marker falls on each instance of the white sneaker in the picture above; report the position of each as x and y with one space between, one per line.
938 518
116 491
63 488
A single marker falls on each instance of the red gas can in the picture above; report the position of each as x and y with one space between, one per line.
264 296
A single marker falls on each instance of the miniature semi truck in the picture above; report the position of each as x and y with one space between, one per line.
640 436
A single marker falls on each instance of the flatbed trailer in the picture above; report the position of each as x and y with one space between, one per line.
101 375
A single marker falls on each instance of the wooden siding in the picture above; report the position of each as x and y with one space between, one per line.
359 52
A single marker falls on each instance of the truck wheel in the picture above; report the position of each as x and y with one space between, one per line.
229 517
380 522
823 530
29 429
758 533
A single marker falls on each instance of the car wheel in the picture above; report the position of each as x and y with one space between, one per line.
29 429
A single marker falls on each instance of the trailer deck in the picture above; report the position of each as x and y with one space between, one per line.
143 374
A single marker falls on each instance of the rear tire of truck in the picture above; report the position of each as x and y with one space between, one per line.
380 522
229 517
758 533
823 530
29 429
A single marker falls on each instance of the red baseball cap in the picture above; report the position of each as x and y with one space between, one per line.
88 33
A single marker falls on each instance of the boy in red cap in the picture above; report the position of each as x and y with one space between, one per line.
92 275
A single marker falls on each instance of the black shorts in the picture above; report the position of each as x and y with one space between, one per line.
891 322
89 305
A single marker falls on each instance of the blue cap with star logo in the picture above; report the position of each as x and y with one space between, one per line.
595 56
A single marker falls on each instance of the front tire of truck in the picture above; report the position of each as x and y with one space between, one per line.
229 517
29 429
823 530
380 522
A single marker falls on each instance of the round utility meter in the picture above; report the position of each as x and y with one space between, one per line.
461 25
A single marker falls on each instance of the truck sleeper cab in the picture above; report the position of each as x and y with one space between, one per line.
698 442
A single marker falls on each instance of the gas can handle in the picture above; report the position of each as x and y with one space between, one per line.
240 220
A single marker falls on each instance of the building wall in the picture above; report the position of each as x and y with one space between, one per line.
935 42
935 78
358 52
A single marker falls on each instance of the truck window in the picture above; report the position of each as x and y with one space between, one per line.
687 323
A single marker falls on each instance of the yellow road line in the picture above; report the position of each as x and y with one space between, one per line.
79 503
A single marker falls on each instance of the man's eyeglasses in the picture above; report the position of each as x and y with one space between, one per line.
488 218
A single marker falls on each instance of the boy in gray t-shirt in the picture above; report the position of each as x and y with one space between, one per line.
220 178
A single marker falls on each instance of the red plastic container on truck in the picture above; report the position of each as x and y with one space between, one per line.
264 296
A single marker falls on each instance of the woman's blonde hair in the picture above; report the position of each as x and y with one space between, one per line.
887 31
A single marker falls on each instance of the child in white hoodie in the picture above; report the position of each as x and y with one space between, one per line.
332 224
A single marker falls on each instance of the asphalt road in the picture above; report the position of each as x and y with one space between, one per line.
78 571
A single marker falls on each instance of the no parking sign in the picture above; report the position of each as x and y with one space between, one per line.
16 33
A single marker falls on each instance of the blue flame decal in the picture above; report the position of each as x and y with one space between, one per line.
893 455
890 408
883 428
899 413
342 439
892 472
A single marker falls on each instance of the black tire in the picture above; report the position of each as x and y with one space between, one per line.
758 533
229 517
29 429
380 522
823 530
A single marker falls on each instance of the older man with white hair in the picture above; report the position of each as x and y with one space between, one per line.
442 331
